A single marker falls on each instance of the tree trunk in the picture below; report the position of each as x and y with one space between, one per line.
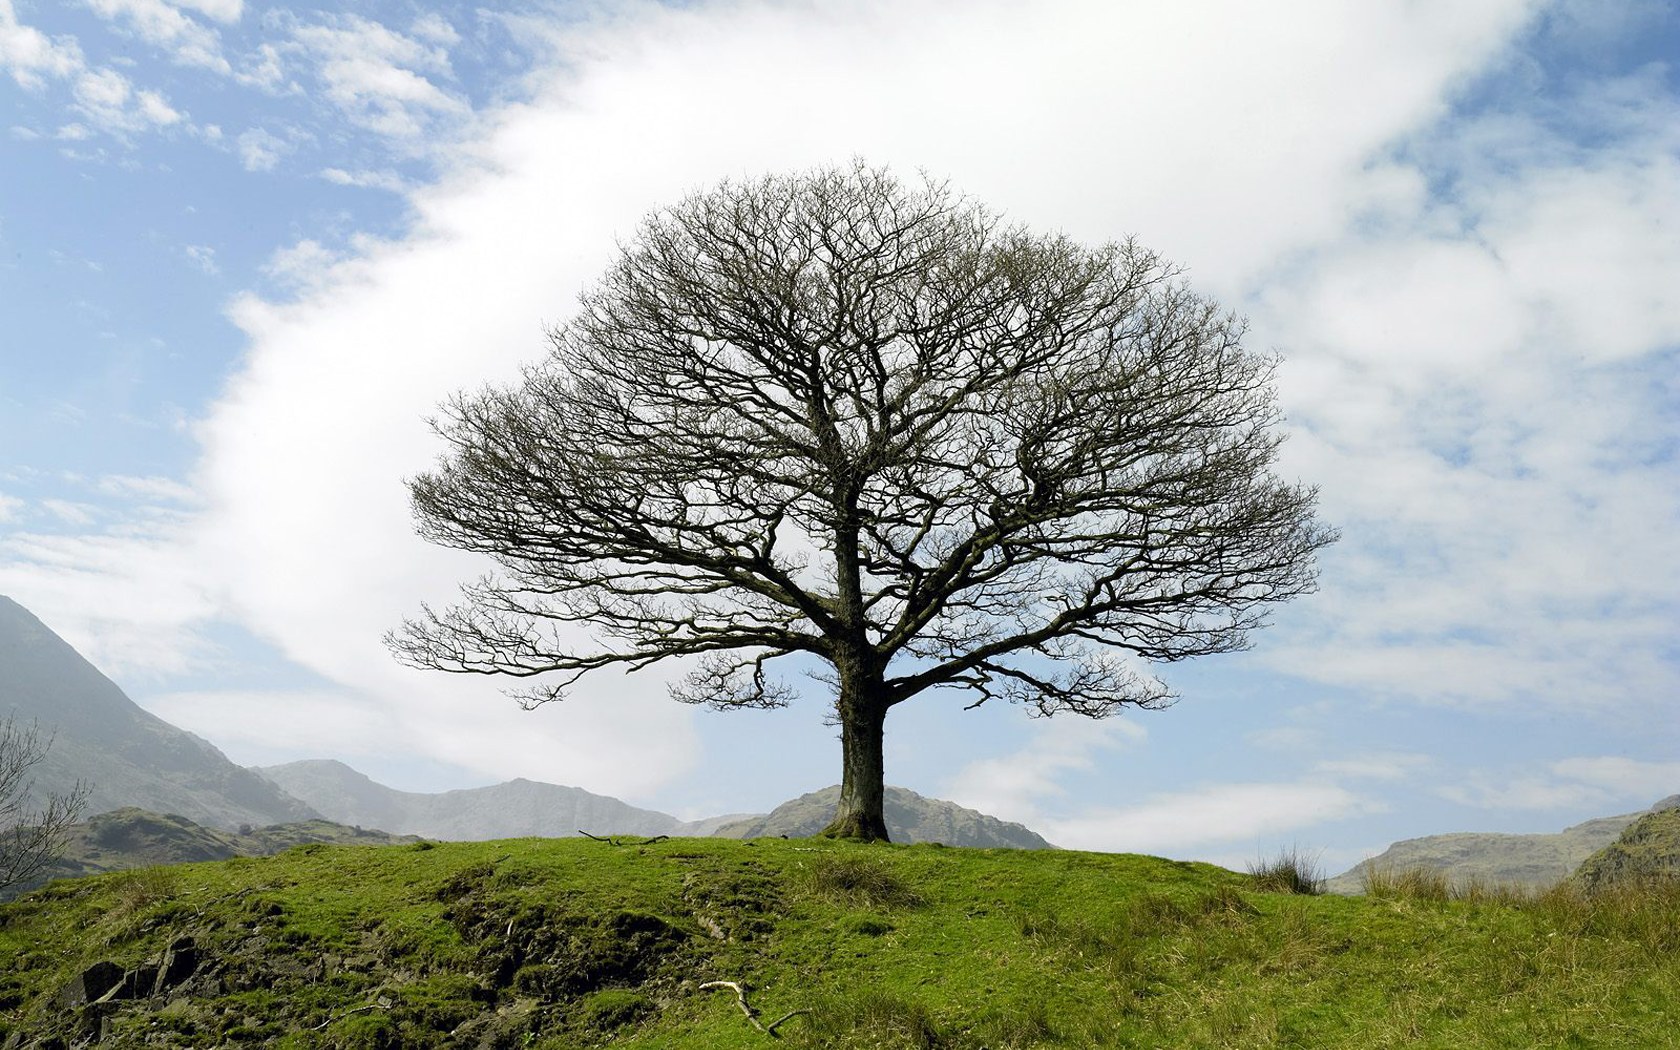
861 815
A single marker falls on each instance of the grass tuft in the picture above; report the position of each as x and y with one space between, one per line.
1289 871
1406 884
860 882
868 1019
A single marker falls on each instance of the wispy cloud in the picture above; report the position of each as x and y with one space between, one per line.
378 78
163 24
1571 783
1211 817
377 180
261 149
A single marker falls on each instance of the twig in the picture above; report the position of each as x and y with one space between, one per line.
612 841
347 1013
777 1023
741 1001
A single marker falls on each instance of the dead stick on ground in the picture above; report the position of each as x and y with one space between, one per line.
777 1023
350 1013
741 1001
612 841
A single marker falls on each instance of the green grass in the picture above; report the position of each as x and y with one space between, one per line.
571 943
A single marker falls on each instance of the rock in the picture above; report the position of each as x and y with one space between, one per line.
180 960
91 984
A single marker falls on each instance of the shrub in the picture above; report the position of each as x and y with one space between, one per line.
1289 871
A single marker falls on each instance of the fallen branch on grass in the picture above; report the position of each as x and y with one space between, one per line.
613 841
741 1001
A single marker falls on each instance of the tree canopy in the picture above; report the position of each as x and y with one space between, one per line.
839 417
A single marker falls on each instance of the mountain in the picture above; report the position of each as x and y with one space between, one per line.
129 756
519 808
1649 848
513 809
910 818
1531 860
135 838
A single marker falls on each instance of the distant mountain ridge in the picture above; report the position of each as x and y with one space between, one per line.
128 755
519 808
513 809
1538 861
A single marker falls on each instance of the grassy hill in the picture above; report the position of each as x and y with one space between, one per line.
569 943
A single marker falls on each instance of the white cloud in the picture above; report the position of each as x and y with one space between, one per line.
435 28
162 23
1380 765
1218 816
1625 777
70 512
132 600
261 149
227 11
11 507
1017 786
32 57
1538 794
150 487
204 257
110 103
1572 784
306 264
377 77
378 180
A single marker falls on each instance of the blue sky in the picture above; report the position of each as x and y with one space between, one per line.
245 249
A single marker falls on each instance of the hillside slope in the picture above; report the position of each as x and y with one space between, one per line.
1649 848
129 756
561 944
124 839
910 818
1537 861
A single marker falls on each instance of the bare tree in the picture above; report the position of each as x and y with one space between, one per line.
30 839
834 417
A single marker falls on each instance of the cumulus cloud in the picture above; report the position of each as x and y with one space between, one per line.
30 56
111 103
261 149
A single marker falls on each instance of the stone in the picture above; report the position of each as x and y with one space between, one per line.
91 984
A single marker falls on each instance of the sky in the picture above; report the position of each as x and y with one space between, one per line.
246 249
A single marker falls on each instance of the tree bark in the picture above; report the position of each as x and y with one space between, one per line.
861 814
